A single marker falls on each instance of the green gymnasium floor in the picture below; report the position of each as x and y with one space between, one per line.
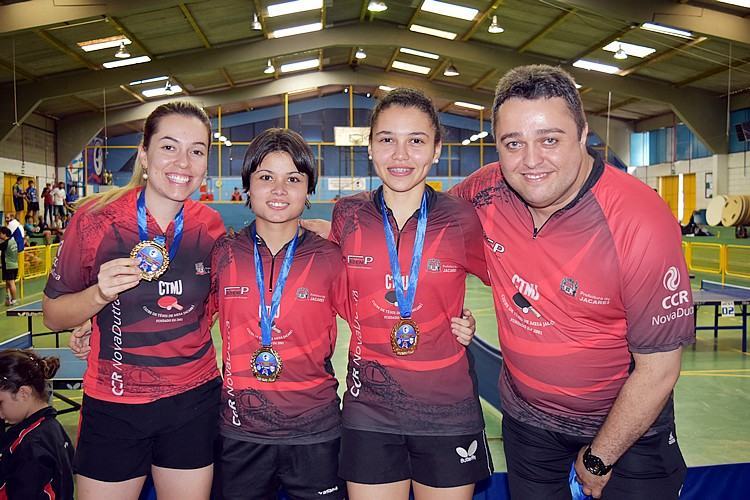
712 396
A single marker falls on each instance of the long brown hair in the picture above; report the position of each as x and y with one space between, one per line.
184 108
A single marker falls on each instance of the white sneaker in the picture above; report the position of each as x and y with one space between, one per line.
13 302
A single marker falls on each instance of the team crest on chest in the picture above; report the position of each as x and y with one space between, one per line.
569 286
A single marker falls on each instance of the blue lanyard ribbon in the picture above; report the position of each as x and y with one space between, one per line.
179 222
266 316
405 298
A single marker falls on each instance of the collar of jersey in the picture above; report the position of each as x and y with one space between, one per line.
377 197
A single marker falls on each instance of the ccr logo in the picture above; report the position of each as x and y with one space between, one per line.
671 282
672 279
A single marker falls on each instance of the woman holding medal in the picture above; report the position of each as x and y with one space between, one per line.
277 289
411 414
135 260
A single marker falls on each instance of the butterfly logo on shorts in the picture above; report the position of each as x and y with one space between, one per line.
467 455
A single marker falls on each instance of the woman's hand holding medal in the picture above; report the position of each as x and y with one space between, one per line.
115 277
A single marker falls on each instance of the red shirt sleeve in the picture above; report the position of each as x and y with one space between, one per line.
655 283
340 289
337 223
73 267
474 245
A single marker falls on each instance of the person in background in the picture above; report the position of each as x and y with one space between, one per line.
32 197
49 204
19 195
16 230
36 454
72 196
236 195
58 199
9 250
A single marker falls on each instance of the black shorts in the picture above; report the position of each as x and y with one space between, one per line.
256 471
18 204
117 441
33 206
437 461
10 274
539 462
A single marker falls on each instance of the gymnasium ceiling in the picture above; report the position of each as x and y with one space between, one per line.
210 49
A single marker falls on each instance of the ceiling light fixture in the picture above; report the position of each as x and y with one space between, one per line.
630 49
122 52
466 142
149 80
595 66
375 6
360 54
483 134
451 70
126 62
160 91
300 65
449 10
227 143
385 88
297 30
494 27
666 30
468 105
269 68
449 35
103 43
739 3
620 54
413 52
255 25
414 68
282 9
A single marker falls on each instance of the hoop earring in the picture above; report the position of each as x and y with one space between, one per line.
308 205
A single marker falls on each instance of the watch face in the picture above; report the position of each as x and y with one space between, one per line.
594 464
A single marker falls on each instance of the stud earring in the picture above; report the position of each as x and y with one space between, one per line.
369 157
145 175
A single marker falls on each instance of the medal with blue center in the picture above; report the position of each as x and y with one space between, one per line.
152 255
405 333
266 362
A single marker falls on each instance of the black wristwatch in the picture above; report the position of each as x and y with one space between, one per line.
594 464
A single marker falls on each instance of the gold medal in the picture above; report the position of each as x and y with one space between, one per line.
153 259
266 364
404 337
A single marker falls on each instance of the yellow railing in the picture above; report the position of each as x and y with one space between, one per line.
715 258
36 263
737 261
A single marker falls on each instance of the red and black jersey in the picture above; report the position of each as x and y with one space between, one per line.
301 406
603 277
36 458
154 341
435 384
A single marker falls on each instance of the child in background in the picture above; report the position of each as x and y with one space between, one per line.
9 250
35 452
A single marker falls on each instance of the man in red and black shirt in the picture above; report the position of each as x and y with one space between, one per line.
592 298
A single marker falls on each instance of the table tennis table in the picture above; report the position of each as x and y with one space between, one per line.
715 294
30 310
